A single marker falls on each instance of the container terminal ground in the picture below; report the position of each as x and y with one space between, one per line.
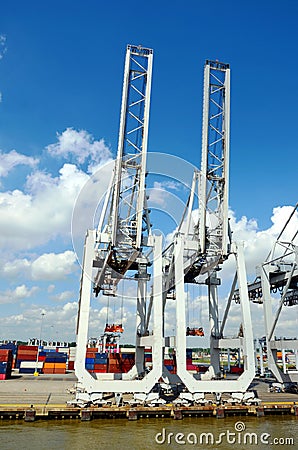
45 397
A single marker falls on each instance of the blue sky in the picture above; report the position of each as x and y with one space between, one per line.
61 68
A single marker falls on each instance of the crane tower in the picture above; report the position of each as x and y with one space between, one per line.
200 247
123 237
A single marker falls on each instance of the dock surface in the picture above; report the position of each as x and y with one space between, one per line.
46 396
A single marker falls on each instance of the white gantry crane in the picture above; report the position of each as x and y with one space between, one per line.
201 246
123 240
278 277
124 244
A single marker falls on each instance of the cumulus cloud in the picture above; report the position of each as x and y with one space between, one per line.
43 210
159 194
12 159
63 296
16 295
81 146
51 266
258 243
16 268
26 323
46 267
31 219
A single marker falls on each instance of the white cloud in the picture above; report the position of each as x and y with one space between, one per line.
34 218
12 159
51 266
64 296
16 268
258 243
19 293
26 324
51 288
159 194
48 266
30 219
82 146
44 210
3 47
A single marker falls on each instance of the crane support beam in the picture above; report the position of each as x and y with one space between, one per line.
103 382
245 343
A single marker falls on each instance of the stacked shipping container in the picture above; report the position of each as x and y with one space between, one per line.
26 360
6 360
189 364
71 358
126 361
96 362
54 362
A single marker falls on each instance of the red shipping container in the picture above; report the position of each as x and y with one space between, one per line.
91 350
47 371
114 370
29 352
235 369
28 347
101 370
168 362
26 357
70 365
191 367
100 366
61 371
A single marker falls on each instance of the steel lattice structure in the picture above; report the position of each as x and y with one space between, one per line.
214 183
124 221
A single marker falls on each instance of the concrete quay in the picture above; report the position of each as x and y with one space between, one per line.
45 397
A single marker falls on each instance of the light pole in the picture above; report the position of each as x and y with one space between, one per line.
39 344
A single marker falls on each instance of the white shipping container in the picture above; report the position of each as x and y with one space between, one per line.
63 350
31 365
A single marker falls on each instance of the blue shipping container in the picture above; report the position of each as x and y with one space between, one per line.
101 361
89 360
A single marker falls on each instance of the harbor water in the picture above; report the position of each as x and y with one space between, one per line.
242 432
